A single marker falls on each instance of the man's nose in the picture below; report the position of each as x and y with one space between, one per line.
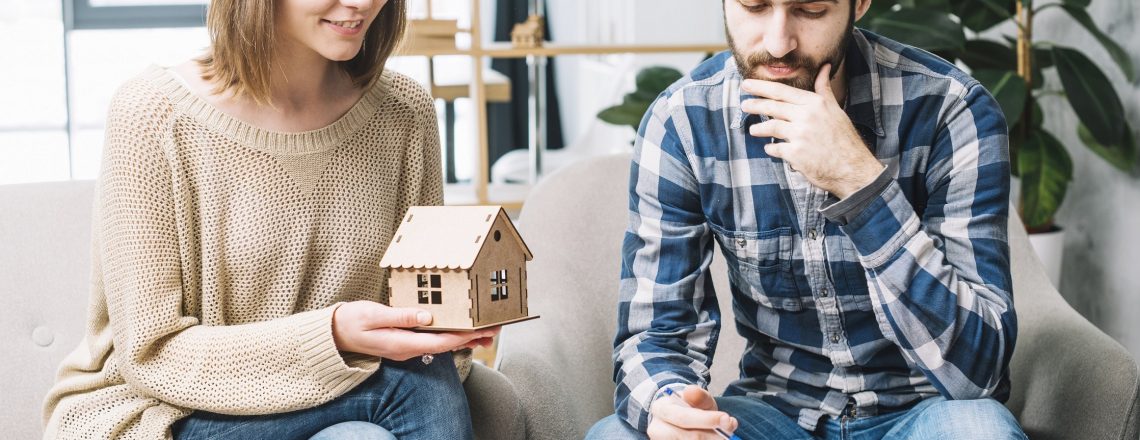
778 38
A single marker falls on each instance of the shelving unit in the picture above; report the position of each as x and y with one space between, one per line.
511 196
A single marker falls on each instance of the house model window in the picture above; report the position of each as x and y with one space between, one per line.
433 282
499 285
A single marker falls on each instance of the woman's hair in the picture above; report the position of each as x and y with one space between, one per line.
242 34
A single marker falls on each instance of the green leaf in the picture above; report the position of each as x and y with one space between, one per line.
1081 3
1009 90
656 79
1121 156
980 15
1046 170
622 115
1091 95
936 5
986 54
877 8
1114 50
1042 56
930 30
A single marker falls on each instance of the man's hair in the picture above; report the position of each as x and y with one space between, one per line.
242 36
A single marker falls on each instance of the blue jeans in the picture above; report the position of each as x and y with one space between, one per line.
406 400
932 419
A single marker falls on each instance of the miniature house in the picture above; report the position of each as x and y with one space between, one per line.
528 34
464 264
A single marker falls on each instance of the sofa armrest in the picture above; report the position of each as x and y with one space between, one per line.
549 405
495 409
1071 380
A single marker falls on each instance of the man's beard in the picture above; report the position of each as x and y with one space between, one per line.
750 65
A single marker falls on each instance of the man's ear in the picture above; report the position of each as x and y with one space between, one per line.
861 7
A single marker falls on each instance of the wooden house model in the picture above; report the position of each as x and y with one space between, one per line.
464 264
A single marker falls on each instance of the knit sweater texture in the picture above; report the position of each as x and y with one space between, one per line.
221 250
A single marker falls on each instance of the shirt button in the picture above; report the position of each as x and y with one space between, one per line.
835 338
823 293
812 234
741 242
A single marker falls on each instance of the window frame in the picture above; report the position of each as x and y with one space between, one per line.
499 284
82 15
430 292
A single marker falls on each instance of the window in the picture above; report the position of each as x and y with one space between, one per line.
434 294
499 285
74 54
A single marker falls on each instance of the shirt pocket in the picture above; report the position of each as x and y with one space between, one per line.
760 266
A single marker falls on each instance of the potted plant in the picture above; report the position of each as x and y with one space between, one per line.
1011 69
651 81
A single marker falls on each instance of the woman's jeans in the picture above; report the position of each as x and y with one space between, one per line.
408 400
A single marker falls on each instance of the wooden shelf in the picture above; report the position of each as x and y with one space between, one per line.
452 84
510 195
484 85
505 50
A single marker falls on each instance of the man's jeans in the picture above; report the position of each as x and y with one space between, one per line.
408 400
932 419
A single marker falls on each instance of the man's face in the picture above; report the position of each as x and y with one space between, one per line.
788 41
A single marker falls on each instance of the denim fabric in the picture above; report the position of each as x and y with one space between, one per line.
932 419
408 399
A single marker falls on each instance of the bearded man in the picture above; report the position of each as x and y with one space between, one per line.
859 191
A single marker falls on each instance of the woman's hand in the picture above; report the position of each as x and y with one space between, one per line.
375 329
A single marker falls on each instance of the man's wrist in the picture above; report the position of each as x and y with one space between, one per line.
865 176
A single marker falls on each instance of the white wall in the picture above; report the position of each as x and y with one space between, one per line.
587 84
1101 212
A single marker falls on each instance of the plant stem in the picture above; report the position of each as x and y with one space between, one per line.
1024 19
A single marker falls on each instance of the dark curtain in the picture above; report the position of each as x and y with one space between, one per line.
507 122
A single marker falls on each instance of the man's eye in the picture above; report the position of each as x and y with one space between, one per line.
813 13
753 7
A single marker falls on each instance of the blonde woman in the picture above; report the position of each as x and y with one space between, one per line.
244 203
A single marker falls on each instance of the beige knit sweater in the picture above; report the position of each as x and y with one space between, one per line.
221 250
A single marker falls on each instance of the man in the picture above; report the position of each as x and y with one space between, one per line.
858 189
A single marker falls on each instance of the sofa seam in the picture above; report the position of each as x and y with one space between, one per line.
1132 405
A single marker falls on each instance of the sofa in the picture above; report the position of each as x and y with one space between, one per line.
45 233
1069 379
553 376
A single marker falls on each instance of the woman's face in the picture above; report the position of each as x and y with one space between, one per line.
334 29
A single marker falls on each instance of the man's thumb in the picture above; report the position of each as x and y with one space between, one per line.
698 397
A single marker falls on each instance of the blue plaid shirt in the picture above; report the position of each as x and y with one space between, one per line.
896 294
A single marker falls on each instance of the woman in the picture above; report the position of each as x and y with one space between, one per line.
244 203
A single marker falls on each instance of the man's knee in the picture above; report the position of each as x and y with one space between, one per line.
982 419
613 428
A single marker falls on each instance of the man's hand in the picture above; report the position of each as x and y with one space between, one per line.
693 415
819 139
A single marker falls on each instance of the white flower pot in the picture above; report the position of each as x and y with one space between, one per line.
1050 248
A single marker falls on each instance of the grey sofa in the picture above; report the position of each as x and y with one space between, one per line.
45 231
1070 380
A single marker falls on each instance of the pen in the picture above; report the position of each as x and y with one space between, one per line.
669 392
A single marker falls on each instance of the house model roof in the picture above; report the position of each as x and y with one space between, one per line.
445 237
